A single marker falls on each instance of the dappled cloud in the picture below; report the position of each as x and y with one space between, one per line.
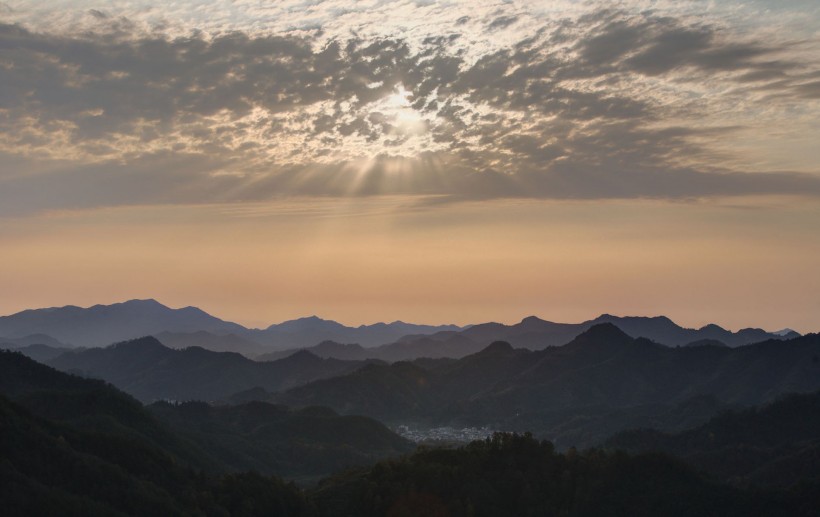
135 105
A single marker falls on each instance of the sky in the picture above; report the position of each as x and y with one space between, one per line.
433 162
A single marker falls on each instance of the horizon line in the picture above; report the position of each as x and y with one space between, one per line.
461 326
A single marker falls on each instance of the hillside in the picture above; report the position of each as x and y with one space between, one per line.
88 404
518 475
74 446
51 468
150 371
601 382
776 444
303 445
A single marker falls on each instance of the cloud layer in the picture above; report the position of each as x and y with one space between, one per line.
506 102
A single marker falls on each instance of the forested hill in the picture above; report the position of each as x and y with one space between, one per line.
518 475
150 371
777 444
73 446
304 444
603 378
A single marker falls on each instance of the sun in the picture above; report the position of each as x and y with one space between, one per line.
406 120
399 99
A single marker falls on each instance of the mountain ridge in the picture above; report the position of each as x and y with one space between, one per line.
100 325
600 381
149 371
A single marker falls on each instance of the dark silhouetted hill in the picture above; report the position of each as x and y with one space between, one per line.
150 371
601 382
304 444
774 445
75 446
518 475
385 392
537 334
52 468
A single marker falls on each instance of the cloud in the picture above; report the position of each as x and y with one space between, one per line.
610 103
97 14
502 22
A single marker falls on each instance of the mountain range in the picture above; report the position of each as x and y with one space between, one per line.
537 334
78 446
102 325
150 371
600 382
302 444
73 446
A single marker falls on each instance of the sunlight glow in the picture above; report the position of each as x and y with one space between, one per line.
405 120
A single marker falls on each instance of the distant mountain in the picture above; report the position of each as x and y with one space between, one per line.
101 325
774 445
706 342
420 346
446 344
104 324
150 371
42 353
602 381
31 339
313 324
326 350
537 334
305 332
212 342
663 330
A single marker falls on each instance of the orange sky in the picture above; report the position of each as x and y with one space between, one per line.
362 261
